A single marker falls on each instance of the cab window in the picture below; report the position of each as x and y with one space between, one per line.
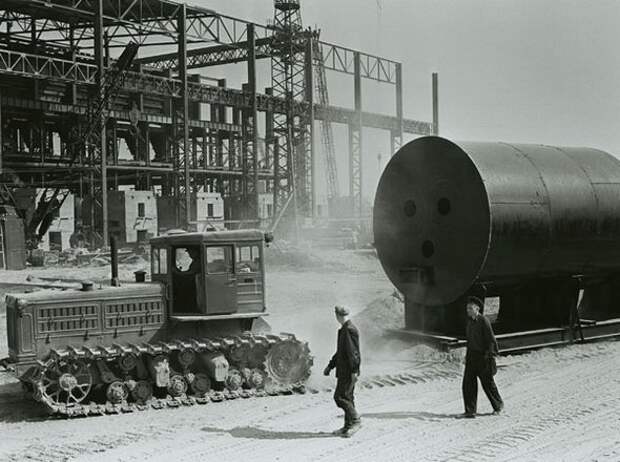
219 260
187 259
188 290
159 261
248 259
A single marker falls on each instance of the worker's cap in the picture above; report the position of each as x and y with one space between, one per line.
476 301
341 310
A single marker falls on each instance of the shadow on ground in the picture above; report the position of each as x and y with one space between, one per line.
261 434
15 407
420 415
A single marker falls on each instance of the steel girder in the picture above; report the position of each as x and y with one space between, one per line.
70 21
63 70
293 163
334 58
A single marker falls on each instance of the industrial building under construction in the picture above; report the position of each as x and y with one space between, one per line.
136 140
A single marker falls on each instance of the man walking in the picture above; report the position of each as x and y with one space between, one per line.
346 361
479 360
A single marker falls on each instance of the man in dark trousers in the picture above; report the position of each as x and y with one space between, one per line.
479 360
347 364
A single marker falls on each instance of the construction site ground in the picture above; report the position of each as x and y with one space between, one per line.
561 404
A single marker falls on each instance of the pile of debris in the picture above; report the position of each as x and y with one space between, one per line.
81 256
387 313
381 314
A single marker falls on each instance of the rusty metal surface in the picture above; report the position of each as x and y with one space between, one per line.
496 213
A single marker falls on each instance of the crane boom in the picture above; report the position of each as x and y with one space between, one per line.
51 201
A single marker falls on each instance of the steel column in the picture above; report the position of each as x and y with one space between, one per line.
308 128
182 136
396 137
250 138
101 126
435 125
1 134
355 143
269 138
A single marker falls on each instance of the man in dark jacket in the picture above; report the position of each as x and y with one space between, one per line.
479 360
346 361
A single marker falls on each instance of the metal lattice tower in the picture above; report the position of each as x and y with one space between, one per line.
58 73
180 129
327 132
291 79
250 137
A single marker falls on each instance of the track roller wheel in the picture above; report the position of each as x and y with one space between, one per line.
127 362
117 392
254 378
239 353
288 362
256 356
142 392
177 385
201 384
234 380
64 383
186 357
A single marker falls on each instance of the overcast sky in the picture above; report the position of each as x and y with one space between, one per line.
536 71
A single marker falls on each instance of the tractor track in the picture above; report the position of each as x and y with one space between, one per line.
65 381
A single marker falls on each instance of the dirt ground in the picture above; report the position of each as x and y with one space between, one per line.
561 404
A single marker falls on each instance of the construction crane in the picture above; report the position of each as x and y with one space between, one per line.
327 133
293 163
52 199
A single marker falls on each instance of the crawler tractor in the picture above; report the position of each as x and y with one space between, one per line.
187 337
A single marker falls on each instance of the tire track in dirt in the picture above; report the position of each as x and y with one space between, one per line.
245 433
66 450
286 427
457 438
74 445
564 411
205 438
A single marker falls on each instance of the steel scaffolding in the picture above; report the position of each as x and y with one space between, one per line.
54 54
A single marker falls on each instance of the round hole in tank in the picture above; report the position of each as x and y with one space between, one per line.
443 206
428 249
410 208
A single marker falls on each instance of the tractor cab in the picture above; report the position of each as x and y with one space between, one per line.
211 275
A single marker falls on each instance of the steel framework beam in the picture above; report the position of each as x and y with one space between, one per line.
183 188
101 149
44 38
212 56
62 70
334 58
250 136
138 19
396 136
355 143
435 124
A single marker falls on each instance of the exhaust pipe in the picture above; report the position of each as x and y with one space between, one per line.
114 261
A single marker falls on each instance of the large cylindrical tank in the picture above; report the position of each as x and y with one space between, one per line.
449 215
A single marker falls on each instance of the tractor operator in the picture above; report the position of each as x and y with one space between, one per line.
188 285
195 267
